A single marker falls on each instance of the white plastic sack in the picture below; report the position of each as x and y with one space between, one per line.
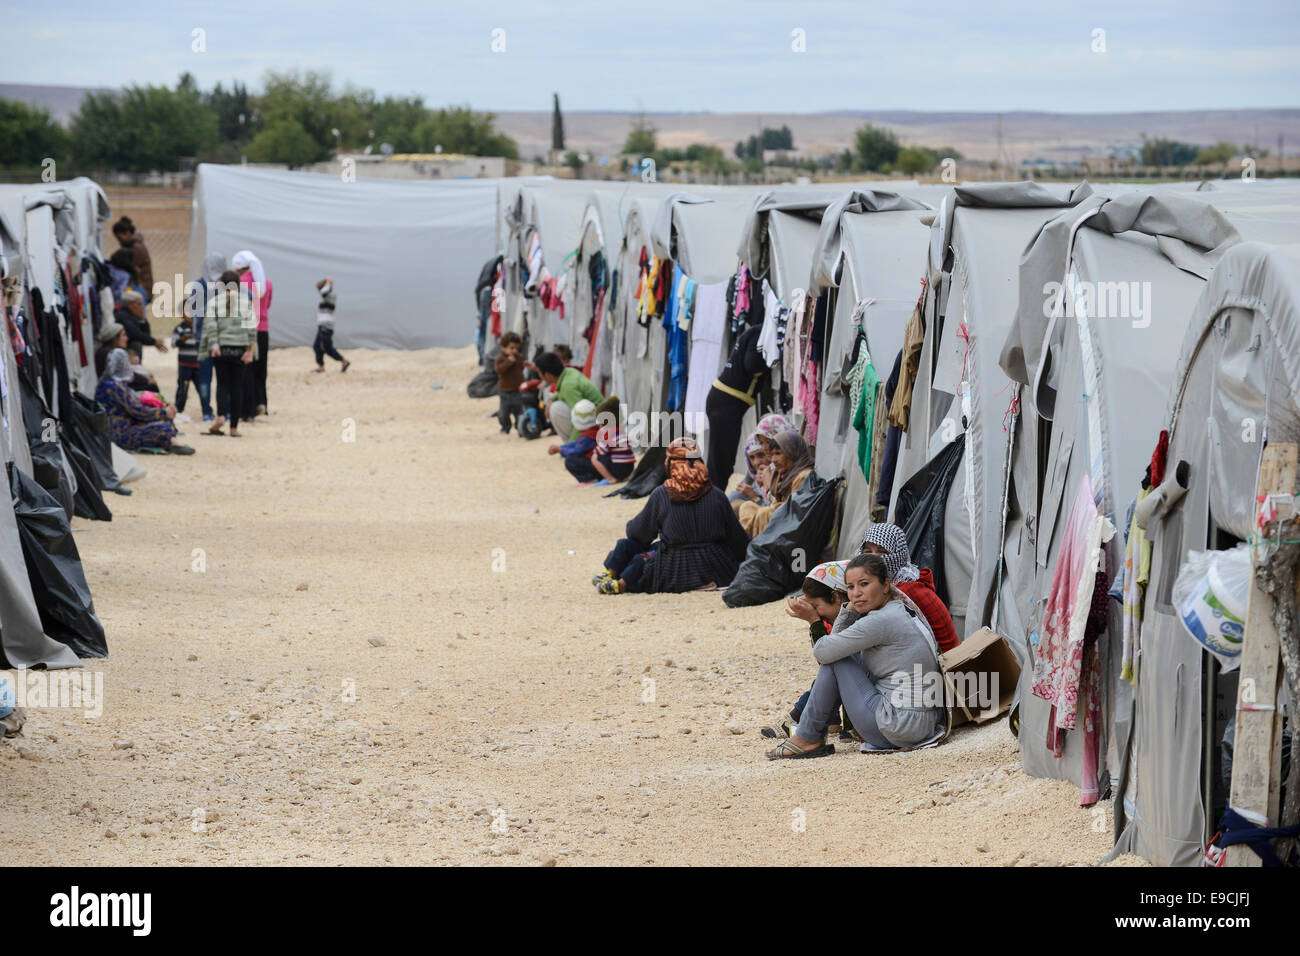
1211 594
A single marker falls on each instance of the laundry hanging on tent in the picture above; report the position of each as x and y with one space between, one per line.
900 410
768 341
864 418
679 339
1066 664
707 330
1137 573
893 440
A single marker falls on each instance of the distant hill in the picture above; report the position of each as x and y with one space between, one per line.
1060 137
62 101
1057 137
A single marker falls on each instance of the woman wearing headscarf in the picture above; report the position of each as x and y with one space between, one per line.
758 450
133 425
889 541
791 463
252 275
881 662
685 538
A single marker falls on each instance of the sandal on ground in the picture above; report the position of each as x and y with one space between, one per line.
319 368
603 576
610 586
789 750
175 449
776 731
346 363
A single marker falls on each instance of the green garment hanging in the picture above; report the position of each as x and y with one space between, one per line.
864 420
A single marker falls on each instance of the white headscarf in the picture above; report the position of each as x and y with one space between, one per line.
246 260
118 367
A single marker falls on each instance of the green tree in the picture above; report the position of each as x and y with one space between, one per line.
917 159
284 141
557 124
142 128
458 129
1167 152
237 119
640 139
875 148
574 161
309 100
28 135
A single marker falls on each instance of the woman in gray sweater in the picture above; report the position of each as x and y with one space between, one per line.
880 659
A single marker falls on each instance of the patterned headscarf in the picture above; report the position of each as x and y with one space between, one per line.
688 478
801 459
769 426
831 574
898 557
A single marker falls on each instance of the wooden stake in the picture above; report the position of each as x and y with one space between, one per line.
1257 751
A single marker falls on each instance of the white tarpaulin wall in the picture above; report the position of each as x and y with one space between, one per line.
398 251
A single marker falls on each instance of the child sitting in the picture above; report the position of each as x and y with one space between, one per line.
824 593
509 366
612 458
324 344
577 453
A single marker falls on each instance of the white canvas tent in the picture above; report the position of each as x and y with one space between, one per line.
398 251
870 246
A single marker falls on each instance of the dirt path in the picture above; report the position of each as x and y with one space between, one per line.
496 701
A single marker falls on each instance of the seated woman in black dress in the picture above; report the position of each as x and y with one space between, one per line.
685 538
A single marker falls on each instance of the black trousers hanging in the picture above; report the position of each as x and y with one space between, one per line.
725 413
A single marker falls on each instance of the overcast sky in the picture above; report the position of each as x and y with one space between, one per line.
689 55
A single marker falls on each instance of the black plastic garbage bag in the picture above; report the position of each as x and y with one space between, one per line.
787 549
54 568
920 509
88 501
482 385
646 476
92 430
47 466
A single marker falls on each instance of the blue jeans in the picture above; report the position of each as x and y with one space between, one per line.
203 384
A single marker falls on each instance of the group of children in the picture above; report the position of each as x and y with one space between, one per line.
593 446
191 367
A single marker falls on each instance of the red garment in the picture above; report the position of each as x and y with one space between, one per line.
1158 460
931 605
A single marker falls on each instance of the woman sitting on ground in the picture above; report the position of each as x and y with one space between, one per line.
133 425
686 538
888 541
758 452
791 462
879 660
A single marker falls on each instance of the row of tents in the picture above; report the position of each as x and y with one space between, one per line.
1053 332
58 456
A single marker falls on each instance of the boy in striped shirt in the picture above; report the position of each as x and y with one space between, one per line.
612 457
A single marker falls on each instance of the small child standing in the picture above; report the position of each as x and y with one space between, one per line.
186 344
324 344
509 366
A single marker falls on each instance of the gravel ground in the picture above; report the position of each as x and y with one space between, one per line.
386 649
